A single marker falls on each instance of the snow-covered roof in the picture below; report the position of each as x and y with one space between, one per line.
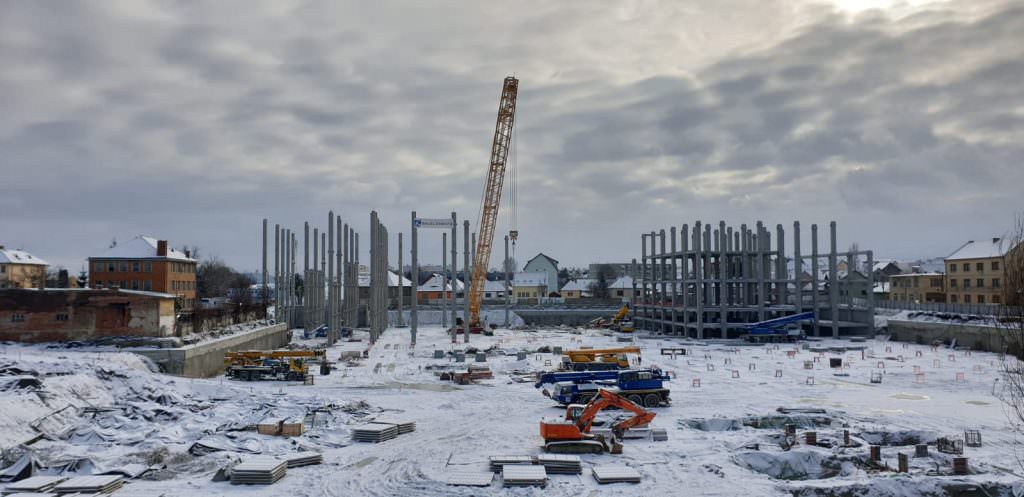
549 259
393 278
141 247
881 287
578 285
494 286
995 247
434 284
623 283
530 279
911 275
12 256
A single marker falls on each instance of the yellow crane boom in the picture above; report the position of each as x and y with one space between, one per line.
492 197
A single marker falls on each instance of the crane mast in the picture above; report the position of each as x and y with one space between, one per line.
492 197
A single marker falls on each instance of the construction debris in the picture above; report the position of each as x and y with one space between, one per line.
616 474
499 462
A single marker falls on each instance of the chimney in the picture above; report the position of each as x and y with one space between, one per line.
188 253
161 248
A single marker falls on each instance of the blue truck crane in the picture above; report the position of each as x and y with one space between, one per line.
777 329
645 387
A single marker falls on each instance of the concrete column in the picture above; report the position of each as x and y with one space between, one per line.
871 293
414 257
263 273
346 254
466 276
744 272
643 280
339 270
798 269
305 256
455 274
663 275
401 285
444 280
761 259
673 278
685 246
632 297
371 308
277 268
698 276
331 324
781 272
723 274
504 270
833 292
814 278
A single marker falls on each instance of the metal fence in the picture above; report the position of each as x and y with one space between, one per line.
978 309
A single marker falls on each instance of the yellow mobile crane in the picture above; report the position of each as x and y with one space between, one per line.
492 199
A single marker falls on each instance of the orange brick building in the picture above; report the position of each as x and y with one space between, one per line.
146 264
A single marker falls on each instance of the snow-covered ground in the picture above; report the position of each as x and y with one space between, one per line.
123 414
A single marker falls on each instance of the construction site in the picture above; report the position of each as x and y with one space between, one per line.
736 368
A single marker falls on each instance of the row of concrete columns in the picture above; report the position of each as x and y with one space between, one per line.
719 279
329 275
377 309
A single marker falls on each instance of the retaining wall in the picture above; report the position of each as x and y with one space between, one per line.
206 359
983 338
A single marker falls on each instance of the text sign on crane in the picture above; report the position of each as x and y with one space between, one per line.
443 223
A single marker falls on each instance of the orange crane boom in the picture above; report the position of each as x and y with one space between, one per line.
492 197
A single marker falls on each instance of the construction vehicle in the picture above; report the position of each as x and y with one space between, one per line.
255 365
777 329
572 434
491 200
644 387
597 359
618 322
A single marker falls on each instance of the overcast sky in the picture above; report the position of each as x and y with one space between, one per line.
191 121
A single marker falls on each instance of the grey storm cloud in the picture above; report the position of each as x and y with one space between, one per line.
192 121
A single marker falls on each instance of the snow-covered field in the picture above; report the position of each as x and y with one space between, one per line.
122 415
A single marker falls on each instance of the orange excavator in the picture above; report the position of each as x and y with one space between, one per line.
572 435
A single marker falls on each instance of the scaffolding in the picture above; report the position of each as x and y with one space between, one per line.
716 281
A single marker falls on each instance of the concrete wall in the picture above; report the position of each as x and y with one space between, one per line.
984 338
207 359
568 317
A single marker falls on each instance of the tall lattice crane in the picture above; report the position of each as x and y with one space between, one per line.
492 197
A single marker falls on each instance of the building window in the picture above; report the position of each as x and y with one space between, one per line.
981 299
124 284
3 268
147 266
952 268
61 316
98 267
995 265
967 283
980 267
123 267
967 299
936 283
135 266
917 282
952 283
17 318
135 284
967 267
147 285
111 267
996 299
952 299
995 282
981 283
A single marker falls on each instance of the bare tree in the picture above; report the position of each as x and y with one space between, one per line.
1011 325
599 288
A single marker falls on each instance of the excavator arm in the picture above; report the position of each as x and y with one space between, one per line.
605 399
621 314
